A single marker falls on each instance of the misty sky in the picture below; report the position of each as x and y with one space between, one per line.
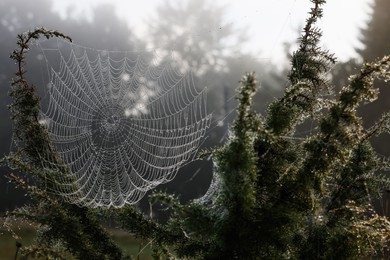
278 20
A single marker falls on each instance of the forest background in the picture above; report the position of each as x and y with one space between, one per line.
113 33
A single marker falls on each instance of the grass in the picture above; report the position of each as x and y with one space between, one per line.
131 246
25 234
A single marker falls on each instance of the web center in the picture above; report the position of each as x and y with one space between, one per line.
109 127
112 120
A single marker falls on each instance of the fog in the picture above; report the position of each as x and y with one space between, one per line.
218 41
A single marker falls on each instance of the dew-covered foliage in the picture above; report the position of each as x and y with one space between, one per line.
274 195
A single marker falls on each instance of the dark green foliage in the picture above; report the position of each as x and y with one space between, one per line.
275 196
375 37
308 64
77 228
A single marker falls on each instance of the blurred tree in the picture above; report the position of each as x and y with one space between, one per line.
205 42
376 36
197 33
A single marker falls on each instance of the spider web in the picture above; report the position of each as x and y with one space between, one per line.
122 122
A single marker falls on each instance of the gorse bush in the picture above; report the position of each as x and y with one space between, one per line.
273 196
